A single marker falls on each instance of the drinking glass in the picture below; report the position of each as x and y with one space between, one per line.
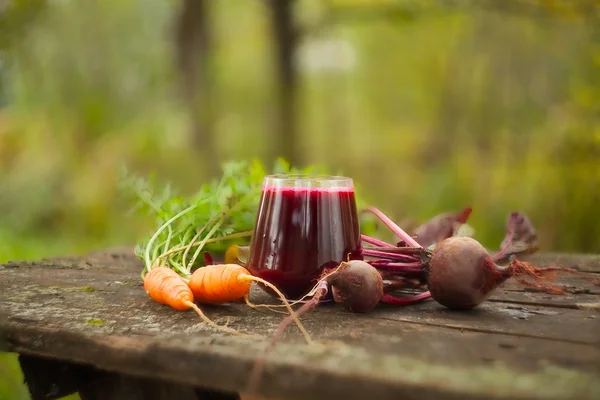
305 223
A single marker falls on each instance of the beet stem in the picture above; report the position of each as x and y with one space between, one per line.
389 256
408 267
412 263
394 227
502 253
411 273
392 283
401 250
405 301
375 241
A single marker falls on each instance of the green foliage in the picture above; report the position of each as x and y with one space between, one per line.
11 378
16 16
218 209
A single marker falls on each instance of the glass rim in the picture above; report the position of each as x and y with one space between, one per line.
307 180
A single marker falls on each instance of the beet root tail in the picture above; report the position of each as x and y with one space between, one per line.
257 370
541 278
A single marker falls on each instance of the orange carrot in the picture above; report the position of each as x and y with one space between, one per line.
223 283
165 286
219 283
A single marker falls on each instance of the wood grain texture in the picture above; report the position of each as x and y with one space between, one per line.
521 344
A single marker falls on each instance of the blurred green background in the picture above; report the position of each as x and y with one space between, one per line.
428 105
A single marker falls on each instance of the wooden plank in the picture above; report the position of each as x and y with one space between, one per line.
94 310
296 372
502 319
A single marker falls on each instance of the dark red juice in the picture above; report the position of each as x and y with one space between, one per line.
299 232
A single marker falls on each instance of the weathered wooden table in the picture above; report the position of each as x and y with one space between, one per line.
85 324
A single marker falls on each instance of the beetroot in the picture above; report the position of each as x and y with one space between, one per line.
357 286
461 273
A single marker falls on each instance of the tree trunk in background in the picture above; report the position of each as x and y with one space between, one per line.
286 40
193 49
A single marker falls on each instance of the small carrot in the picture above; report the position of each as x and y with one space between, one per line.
165 286
223 283
219 283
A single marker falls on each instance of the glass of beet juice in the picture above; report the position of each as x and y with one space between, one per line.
305 223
